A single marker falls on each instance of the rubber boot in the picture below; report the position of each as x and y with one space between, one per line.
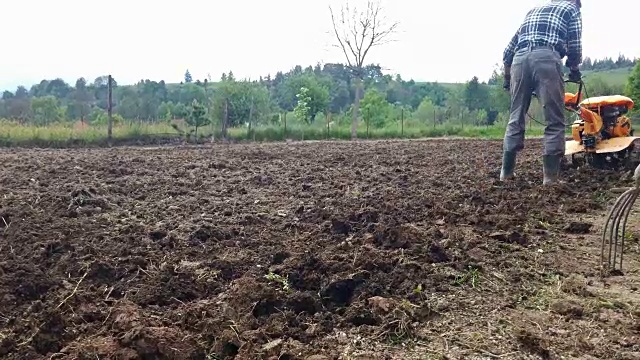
508 165
551 169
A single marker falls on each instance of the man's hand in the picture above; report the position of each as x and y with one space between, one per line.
507 78
575 75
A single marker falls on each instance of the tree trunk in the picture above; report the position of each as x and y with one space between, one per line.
356 109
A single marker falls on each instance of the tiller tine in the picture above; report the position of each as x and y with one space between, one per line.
613 236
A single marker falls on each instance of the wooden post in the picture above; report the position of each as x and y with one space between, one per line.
434 117
285 126
251 120
368 117
328 116
110 108
402 122
225 119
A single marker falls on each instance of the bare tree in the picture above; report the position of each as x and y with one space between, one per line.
356 33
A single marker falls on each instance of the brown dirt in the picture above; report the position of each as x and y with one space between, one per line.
293 251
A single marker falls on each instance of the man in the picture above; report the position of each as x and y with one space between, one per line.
533 62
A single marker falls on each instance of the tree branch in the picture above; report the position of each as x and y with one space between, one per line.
346 25
379 32
357 32
335 29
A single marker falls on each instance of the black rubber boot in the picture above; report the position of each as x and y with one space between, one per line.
551 169
508 165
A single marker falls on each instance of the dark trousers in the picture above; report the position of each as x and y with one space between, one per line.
540 70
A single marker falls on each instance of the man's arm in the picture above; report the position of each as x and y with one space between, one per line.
574 42
507 59
510 51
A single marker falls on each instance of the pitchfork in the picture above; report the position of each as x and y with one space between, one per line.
611 235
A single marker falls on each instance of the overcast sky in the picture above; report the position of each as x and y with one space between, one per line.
140 39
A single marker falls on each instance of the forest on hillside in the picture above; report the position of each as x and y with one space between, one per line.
322 89
622 62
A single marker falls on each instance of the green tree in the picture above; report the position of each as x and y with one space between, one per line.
375 108
81 104
482 117
129 103
197 117
100 88
189 92
166 111
243 102
426 110
302 109
46 110
476 95
180 111
318 91
260 105
187 77
633 86
499 100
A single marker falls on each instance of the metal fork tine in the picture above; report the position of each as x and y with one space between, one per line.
613 234
624 223
608 233
616 230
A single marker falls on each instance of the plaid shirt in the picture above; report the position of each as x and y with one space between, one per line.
557 24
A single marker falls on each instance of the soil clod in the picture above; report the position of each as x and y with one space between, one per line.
366 249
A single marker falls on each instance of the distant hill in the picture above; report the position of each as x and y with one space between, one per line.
615 79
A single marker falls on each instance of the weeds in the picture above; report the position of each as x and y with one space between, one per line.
471 277
418 289
400 325
275 278
628 235
16 134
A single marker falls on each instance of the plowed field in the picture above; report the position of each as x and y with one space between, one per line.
366 250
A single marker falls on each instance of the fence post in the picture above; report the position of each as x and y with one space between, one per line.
402 122
328 116
250 130
109 108
434 117
225 119
285 126
368 116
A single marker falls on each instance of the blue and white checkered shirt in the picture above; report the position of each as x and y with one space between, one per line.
557 24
